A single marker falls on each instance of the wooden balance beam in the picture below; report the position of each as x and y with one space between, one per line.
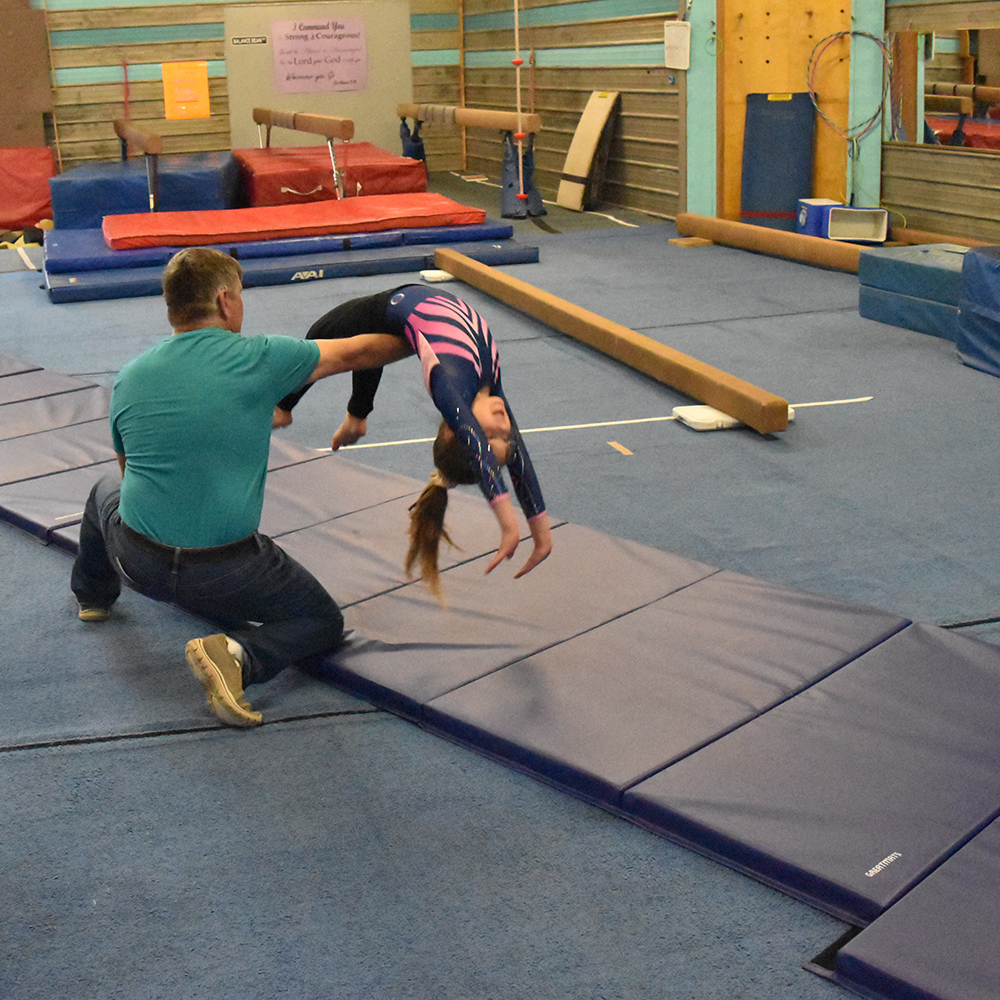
505 121
757 408
132 137
325 125
776 242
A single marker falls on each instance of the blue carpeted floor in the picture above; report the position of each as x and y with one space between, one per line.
350 854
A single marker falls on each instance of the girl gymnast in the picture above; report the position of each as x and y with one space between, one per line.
478 433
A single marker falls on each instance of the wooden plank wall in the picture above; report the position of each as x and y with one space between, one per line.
94 48
941 189
563 64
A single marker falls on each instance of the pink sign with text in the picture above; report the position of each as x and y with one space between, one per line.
319 55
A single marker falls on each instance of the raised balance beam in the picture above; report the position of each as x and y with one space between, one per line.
757 408
325 125
508 121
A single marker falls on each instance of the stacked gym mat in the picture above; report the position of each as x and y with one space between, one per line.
840 753
914 287
79 266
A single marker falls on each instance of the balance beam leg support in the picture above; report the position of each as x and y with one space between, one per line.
776 242
755 407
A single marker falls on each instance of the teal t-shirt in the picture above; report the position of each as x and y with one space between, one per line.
193 418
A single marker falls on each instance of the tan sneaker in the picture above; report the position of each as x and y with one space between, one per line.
220 672
92 612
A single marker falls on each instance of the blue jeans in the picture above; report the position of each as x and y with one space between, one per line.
251 590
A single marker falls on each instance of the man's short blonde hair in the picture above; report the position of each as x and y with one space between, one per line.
192 280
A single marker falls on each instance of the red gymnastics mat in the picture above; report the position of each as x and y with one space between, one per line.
320 218
292 175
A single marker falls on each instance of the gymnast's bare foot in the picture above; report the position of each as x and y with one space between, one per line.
281 418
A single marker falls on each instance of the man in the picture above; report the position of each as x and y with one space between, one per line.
191 422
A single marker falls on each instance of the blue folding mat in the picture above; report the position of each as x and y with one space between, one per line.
939 942
835 751
80 267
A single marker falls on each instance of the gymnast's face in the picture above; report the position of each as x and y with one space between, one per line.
491 413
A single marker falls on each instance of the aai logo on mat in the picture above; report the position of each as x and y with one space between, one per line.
307 275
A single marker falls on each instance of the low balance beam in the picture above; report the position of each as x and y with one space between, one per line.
507 121
135 138
757 408
776 242
325 125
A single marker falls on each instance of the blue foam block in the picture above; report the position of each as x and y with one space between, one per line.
978 341
852 792
926 272
82 196
909 312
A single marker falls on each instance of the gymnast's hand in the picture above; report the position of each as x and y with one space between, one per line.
351 430
510 533
542 535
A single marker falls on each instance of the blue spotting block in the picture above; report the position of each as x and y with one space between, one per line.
940 941
931 272
82 196
778 141
121 283
849 794
979 304
909 312
688 668
72 250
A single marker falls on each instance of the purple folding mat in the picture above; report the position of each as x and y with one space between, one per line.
850 793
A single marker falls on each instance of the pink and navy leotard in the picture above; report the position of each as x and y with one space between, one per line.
458 357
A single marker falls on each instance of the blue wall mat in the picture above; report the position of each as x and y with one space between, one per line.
778 141
909 312
602 711
848 794
939 942
925 272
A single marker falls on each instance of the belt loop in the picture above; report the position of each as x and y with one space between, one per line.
176 567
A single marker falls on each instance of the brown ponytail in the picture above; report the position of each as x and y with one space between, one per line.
452 466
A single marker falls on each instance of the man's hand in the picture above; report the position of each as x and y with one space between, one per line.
350 431
281 418
542 535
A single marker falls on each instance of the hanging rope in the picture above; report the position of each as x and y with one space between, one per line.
519 135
